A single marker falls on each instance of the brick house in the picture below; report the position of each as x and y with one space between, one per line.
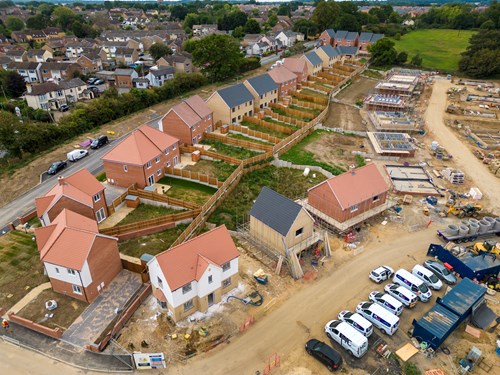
194 275
141 158
230 104
90 61
263 89
327 37
79 261
80 192
124 77
188 120
350 194
367 39
57 71
346 38
313 62
285 79
297 66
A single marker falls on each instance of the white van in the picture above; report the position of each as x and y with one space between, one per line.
387 301
427 276
387 322
413 283
357 322
76 155
351 340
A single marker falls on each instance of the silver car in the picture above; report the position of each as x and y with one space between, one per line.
440 271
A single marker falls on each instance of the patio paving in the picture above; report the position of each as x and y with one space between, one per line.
97 316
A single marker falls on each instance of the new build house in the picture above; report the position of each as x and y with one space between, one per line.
313 62
298 66
328 55
350 194
141 158
230 104
194 275
79 192
263 89
188 120
285 79
79 261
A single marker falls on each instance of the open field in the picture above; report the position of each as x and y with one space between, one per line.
234 209
146 212
68 309
217 168
440 49
20 267
187 190
152 244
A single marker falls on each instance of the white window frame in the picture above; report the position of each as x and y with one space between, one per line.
77 289
168 164
167 151
125 168
100 213
174 146
226 266
301 230
96 198
354 208
210 279
157 160
148 165
158 172
187 288
376 198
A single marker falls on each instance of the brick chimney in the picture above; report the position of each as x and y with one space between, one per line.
60 180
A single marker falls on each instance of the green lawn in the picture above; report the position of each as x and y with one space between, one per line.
229 150
440 48
249 139
298 155
289 182
188 190
146 212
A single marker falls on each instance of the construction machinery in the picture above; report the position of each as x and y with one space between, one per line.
488 246
467 210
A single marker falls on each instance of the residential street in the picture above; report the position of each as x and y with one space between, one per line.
465 159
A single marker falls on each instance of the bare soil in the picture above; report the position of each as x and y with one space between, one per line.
345 117
360 88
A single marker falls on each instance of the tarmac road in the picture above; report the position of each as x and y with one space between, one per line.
26 202
473 168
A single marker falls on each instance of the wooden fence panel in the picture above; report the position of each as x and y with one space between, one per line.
163 198
310 98
190 175
254 133
269 125
238 142
304 104
323 90
211 154
294 112
282 118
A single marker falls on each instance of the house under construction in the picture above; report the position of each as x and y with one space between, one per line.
392 144
393 121
391 103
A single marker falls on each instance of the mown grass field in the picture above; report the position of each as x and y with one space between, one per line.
440 48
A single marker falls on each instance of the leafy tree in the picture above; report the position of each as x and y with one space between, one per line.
83 30
9 130
326 14
272 20
158 50
284 10
488 25
217 56
15 85
416 60
14 23
232 20
178 12
238 32
252 26
383 52
37 22
64 17
402 57
306 27
349 22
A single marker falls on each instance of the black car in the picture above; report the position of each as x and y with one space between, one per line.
99 141
56 167
64 108
324 353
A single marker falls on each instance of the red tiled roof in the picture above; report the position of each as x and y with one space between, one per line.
281 75
141 146
68 240
294 64
352 188
159 295
188 261
198 105
80 186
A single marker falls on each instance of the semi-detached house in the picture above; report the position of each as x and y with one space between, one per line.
231 104
263 89
194 275
141 158
189 120
285 79
79 261
52 95
313 62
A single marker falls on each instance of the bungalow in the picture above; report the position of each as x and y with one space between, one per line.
80 192
79 261
250 39
52 95
285 79
313 62
231 104
188 121
263 89
297 66
194 275
327 37
204 30
141 158
258 48
157 76
124 77
283 225
351 194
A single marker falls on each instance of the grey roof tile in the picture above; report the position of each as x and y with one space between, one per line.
263 84
235 95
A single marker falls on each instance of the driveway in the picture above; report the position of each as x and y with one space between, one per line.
473 168
98 315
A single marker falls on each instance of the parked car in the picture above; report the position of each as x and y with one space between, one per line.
324 353
91 80
427 276
440 271
403 295
76 155
99 141
99 82
387 301
381 273
64 108
346 336
357 322
56 167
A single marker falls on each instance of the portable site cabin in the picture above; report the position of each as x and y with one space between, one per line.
435 326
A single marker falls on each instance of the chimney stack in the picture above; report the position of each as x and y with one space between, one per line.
60 180
352 168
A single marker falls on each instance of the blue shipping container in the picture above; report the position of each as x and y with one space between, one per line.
435 326
463 298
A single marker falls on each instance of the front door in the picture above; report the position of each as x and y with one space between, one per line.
210 299
195 140
151 180
176 160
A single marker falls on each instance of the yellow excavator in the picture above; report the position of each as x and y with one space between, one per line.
469 210
488 246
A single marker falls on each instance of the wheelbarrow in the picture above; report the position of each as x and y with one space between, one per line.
260 276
